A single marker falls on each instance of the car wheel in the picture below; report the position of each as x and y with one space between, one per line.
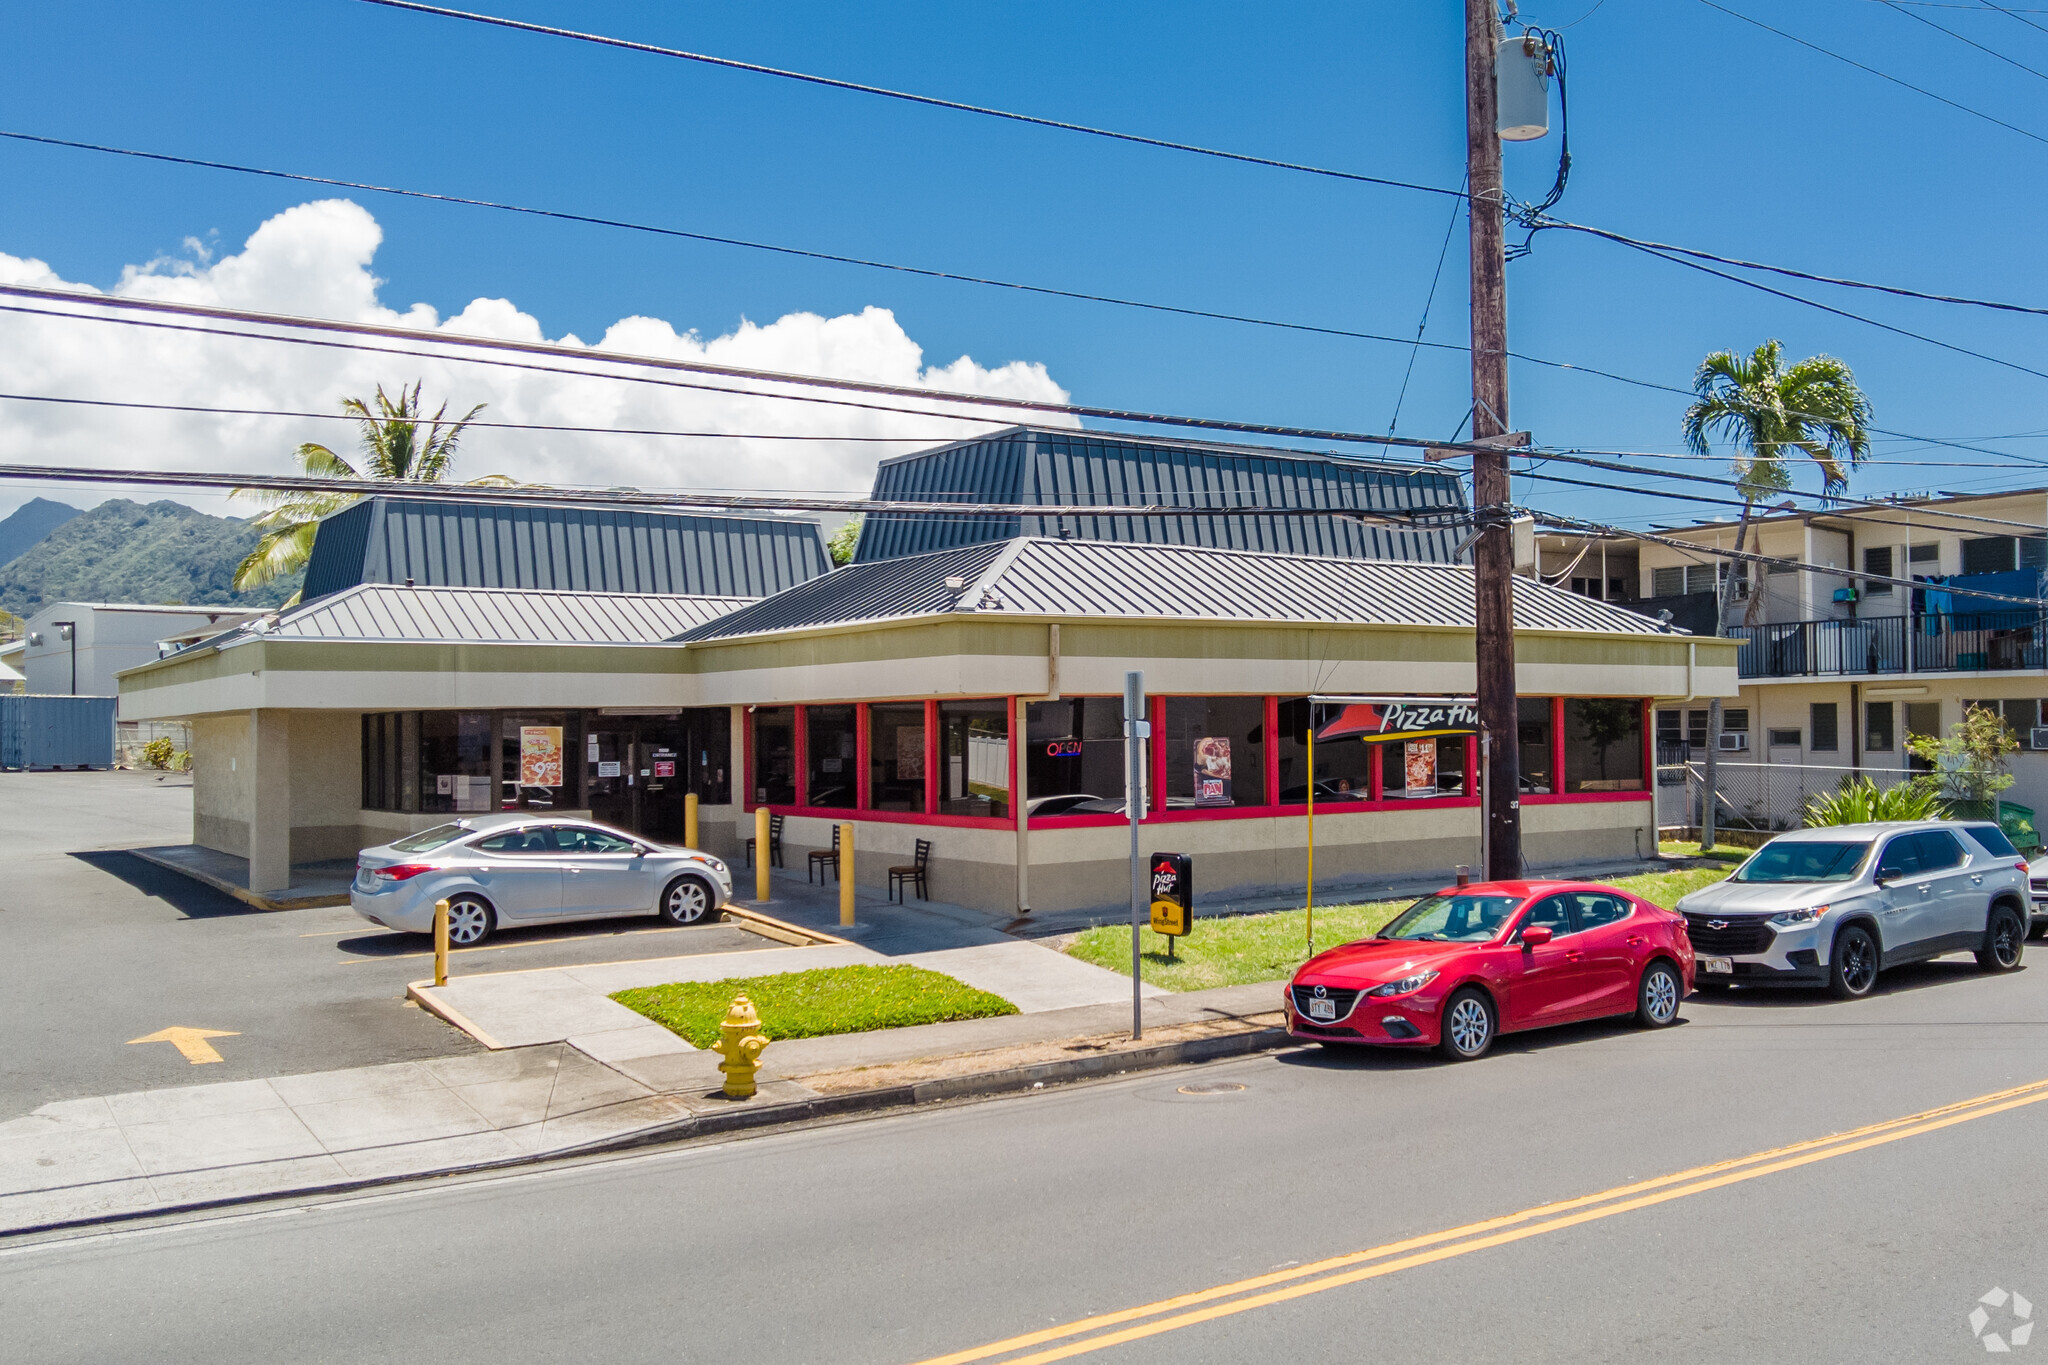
1852 966
470 921
686 901
2004 941
1469 1024
1657 996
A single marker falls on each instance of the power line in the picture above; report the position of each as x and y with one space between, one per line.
1827 52
595 220
1564 523
1421 518
1842 312
1990 51
1545 222
2021 15
205 410
1429 299
462 342
932 101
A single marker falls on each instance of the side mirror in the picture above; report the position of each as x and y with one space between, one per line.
1536 935
1884 878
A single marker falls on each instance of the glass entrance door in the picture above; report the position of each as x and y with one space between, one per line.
633 774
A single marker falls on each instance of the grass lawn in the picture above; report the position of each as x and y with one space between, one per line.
1244 948
815 1003
1723 853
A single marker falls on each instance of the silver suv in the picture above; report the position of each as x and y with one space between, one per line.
1834 906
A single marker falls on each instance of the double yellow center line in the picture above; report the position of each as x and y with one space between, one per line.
1261 1291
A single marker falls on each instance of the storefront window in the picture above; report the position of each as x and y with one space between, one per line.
774 755
1533 715
383 760
829 733
538 753
974 762
1412 768
895 757
1603 744
1074 756
456 769
1215 752
1343 766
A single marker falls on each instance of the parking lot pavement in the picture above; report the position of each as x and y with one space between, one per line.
103 948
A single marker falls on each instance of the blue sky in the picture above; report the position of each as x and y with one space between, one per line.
1688 126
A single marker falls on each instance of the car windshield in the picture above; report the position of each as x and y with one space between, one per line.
429 839
1456 919
1803 860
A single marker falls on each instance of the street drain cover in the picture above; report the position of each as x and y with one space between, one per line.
1211 1088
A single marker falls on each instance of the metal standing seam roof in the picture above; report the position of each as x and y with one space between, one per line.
390 612
1029 465
1038 576
475 542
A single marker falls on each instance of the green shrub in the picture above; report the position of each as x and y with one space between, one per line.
1858 801
159 753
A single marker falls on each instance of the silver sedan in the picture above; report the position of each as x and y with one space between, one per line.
497 871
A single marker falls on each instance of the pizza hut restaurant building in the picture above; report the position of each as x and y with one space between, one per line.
970 697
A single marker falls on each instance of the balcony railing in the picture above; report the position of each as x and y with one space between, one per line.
1965 642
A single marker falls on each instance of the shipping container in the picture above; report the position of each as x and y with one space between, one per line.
44 732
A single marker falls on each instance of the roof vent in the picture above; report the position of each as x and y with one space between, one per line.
956 584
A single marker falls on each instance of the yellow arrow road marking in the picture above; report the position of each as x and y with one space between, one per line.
190 1041
1337 1271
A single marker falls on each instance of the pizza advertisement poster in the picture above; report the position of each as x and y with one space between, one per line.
1419 764
909 752
540 755
1212 771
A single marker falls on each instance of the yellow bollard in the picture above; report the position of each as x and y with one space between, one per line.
740 1042
846 875
441 943
760 853
690 820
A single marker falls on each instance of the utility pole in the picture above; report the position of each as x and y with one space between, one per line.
1493 554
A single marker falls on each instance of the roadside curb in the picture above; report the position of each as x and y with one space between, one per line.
824 1107
781 930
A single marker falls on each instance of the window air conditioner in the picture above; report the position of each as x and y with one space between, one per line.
2037 737
1734 741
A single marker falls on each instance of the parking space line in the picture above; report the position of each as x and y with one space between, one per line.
1393 1257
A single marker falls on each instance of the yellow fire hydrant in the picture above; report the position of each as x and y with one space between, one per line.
740 1042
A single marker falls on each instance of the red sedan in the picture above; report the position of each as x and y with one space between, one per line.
1457 968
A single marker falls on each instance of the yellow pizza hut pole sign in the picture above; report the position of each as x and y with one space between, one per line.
1173 896
1382 720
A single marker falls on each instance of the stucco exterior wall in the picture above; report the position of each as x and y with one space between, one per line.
221 791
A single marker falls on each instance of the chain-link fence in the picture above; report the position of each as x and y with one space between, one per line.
1761 796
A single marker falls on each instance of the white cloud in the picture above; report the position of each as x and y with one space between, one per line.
316 260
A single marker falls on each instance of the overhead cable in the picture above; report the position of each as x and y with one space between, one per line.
1827 52
1565 523
932 101
1970 42
626 225
1419 518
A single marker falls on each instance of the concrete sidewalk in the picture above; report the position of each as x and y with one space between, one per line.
572 1004
313 884
80 1161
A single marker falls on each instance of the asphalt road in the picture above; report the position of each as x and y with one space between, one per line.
908 1238
101 947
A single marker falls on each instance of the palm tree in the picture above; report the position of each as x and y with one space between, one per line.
1766 412
400 444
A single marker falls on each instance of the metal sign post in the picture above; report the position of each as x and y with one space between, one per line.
1136 731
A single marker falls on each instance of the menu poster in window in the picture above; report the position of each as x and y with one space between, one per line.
540 755
1420 764
1212 771
909 751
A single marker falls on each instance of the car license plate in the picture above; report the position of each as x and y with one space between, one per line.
1322 1009
1718 966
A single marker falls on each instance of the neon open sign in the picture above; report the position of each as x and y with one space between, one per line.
1063 748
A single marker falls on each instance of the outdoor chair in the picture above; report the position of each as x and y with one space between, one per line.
912 874
774 843
821 859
